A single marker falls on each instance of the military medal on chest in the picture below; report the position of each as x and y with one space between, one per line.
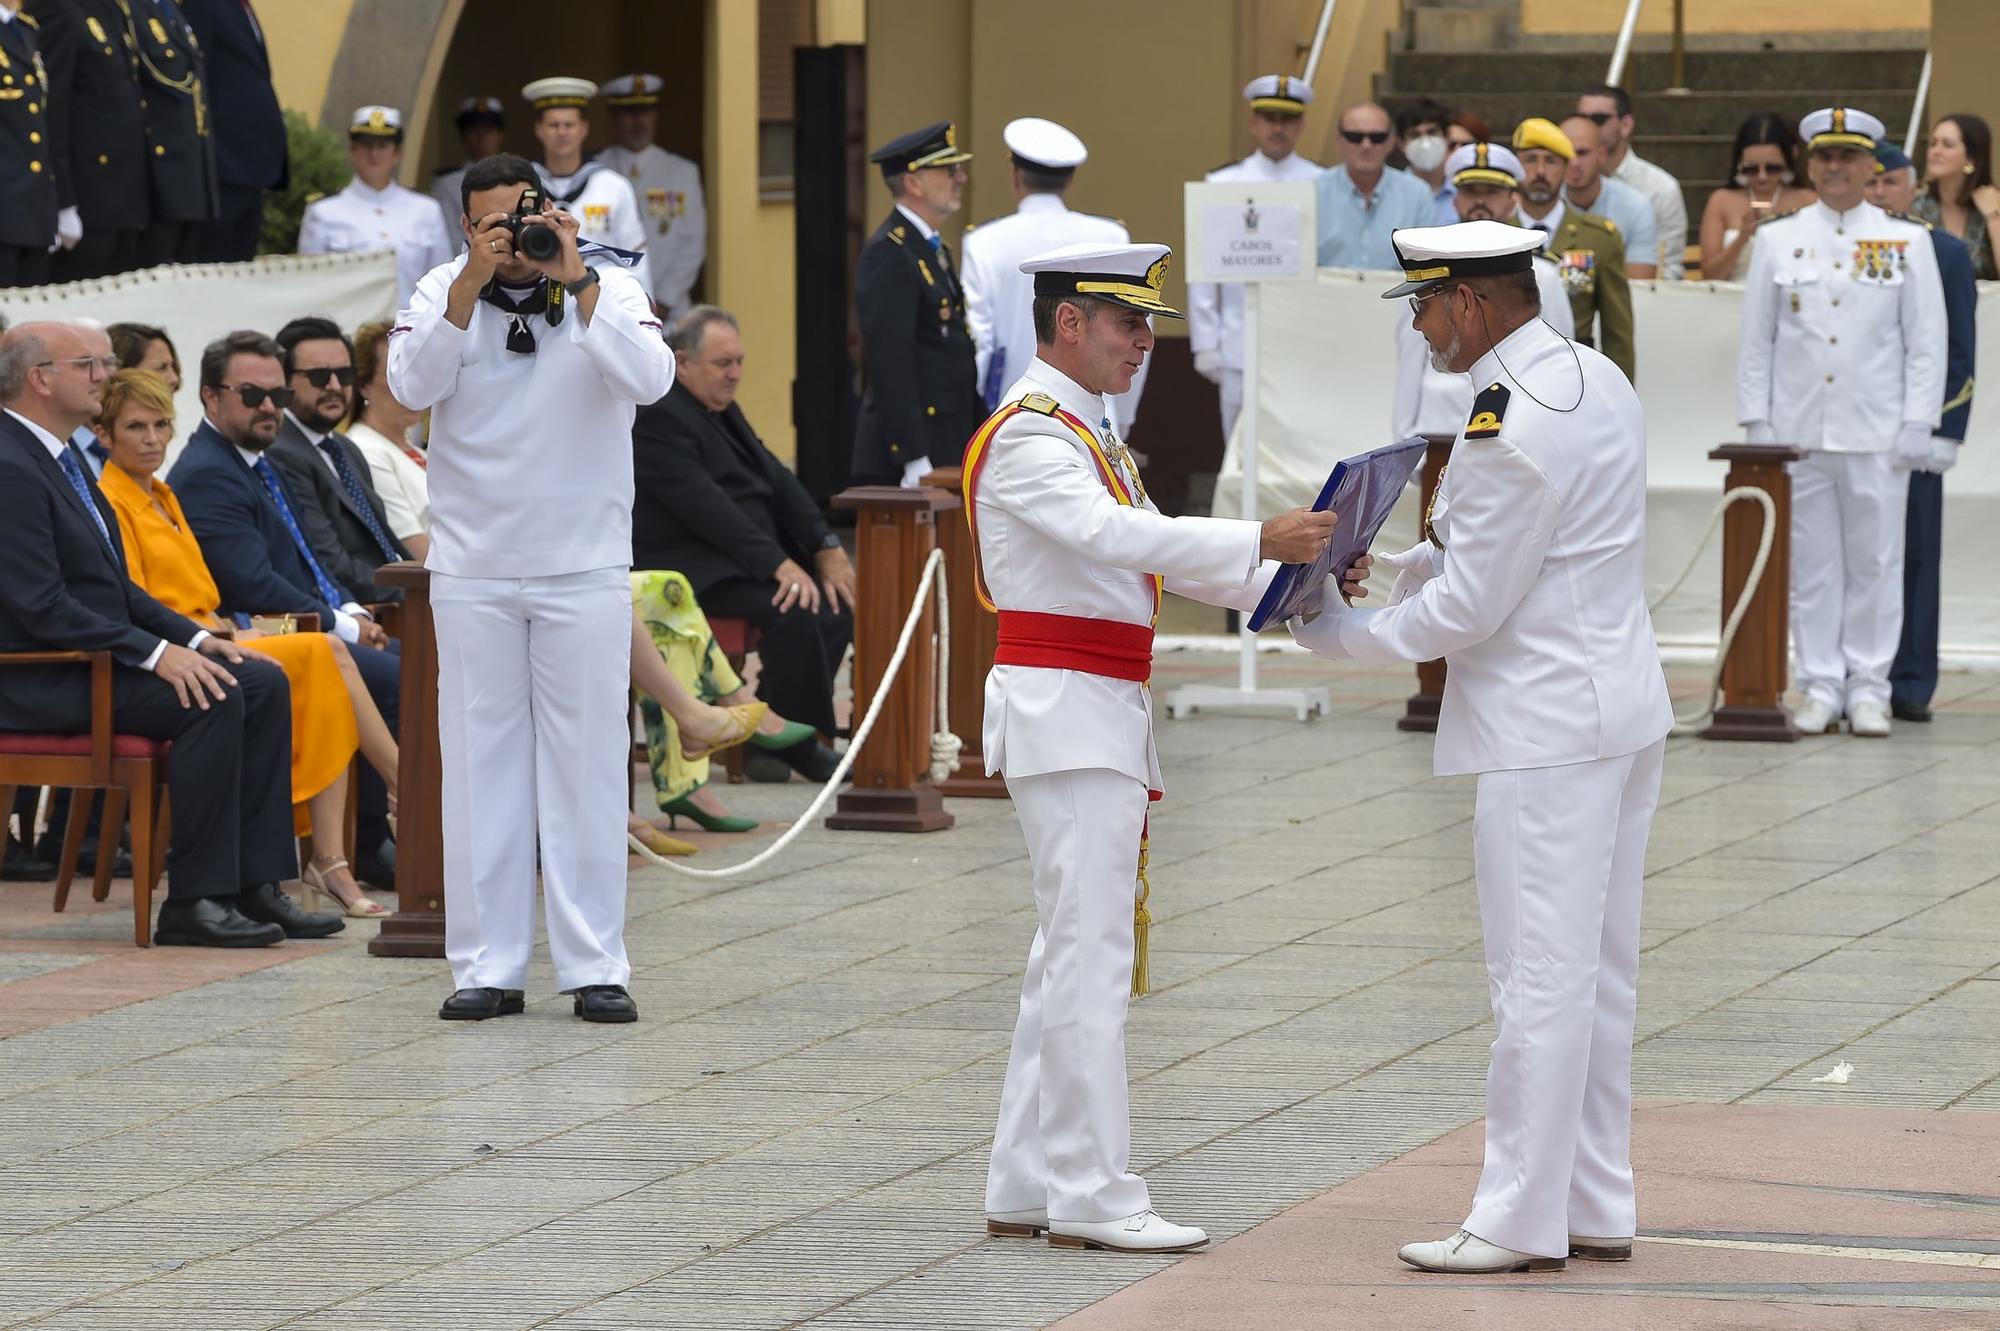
1126 463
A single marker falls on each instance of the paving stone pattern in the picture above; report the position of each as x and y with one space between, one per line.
796 1132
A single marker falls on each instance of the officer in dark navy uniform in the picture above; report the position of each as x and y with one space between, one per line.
921 401
97 126
180 153
28 198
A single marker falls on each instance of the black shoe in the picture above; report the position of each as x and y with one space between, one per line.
1919 712
22 865
211 922
809 758
480 1004
50 849
605 1002
758 765
378 870
268 902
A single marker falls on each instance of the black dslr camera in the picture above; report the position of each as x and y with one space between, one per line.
532 239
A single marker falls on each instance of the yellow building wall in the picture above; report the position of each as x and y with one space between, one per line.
1729 16
303 39
1962 79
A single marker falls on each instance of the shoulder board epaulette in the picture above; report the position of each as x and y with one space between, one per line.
1911 218
314 198
1041 403
1779 217
969 228
1488 410
1595 220
30 20
896 234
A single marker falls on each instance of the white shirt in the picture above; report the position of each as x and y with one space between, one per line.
999 297
56 449
400 480
1670 214
675 213
1430 401
530 456
1215 309
1052 539
1538 599
360 218
605 209
1833 357
1548 225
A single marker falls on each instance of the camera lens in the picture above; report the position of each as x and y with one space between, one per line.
538 242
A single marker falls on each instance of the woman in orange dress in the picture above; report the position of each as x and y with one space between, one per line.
332 714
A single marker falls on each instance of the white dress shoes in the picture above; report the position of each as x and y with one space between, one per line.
1869 719
1465 1253
1814 718
1600 1250
1144 1232
1017 1224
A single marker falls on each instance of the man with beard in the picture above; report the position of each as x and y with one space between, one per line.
1534 593
1586 247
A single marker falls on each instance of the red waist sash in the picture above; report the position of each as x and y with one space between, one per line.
1106 647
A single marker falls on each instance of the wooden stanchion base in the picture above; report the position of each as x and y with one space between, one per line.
970 782
918 809
1752 723
410 934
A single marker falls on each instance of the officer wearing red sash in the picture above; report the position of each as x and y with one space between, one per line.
1074 557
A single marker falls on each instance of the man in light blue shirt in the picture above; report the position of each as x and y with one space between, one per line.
1363 200
1587 189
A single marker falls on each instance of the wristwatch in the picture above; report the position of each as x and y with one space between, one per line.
829 542
584 283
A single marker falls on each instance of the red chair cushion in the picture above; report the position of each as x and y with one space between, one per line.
734 636
78 746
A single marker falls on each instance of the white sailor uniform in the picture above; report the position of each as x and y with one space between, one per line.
605 210
395 218
674 215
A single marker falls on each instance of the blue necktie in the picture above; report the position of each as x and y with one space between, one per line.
329 593
937 242
72 466
101 453
351 483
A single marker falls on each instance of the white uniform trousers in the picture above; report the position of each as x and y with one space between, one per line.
1064 1139
534 728
1230 386
1561 854
1847 574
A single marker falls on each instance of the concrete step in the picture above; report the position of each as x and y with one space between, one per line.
1699 113
1455 74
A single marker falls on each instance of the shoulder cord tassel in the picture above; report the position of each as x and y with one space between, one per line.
1142 921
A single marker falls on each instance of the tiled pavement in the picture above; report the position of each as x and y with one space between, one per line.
795 1134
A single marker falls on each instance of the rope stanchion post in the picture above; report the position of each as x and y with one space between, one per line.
417 927
1754 668
975 636
897 531
1420 713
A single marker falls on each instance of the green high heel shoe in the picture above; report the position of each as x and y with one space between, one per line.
794 732
685 807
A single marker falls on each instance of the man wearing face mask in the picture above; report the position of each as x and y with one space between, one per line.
1843 355
1278 105
1586 247
1420 133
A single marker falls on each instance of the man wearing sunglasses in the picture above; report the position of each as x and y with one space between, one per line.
1609 107
1364 199
332 489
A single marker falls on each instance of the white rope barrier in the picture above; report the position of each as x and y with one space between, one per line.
1692 725
929 579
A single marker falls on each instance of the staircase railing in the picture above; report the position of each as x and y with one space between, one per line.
1319 40
1917 111
1623 47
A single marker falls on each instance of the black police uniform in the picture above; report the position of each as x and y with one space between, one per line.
921 397
98 130
28 201
180 153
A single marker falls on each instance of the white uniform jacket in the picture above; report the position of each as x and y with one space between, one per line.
1215 309
605 209
530 455
1430 401
1843 331
675 215
1539 600
359 218
1053 540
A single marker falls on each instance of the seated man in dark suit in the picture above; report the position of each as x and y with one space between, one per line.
247 523
712 503
326 475
63 587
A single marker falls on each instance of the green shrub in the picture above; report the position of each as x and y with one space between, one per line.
319 166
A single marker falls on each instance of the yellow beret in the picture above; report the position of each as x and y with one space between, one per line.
1536 132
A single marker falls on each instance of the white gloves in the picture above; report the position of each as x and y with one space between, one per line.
914 472
1414 567
1759 432
1913 447
69 228
1208 364
1944 455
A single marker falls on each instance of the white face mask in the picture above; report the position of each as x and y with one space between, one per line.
1426 152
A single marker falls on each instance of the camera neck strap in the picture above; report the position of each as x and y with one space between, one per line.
545 299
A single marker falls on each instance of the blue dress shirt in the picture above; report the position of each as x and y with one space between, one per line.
1353 232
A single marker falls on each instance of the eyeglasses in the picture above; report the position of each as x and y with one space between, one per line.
104 365
1762 169
1599 118
254 397
1417 303
1376 136
321 377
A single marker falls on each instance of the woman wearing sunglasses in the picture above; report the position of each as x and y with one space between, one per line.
1765 187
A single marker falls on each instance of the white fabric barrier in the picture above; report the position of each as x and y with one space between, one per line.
198 303
1327 384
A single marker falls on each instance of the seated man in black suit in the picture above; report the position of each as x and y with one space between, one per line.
327 476
63 587
246 520
712 503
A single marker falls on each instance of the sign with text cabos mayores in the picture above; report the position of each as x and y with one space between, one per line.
1245 231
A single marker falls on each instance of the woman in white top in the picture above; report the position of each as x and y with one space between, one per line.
381 430
1763 168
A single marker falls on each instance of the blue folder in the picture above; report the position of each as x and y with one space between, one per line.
1362 490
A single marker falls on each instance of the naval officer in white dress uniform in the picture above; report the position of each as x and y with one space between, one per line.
1278 105
1843 354
1533 590
998 295
600 199
1074 557
667 185
532 373
373 212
